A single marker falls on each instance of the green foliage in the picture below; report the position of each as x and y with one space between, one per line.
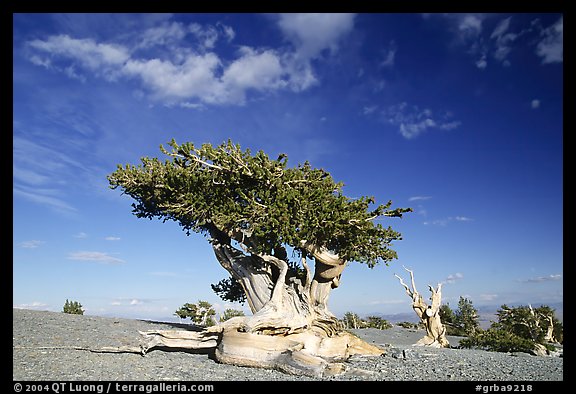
73 308
201 313
466 317
353 321
519 329
259 202
449 320
410 325
229 290
498 340
527 322
461 322
377 322
230 313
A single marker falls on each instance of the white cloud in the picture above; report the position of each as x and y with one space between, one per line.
167 33
129 301
539 279
447 220
419 198
413 121
501 28
367 110
207 35
470 24
551 47
102 59
194 78
34 305
482 63
390 55
167 274
436 222
43 197
469 32
488 297
97 257
32 244
112 238
312 33
452 278
503 40
462 219
176 73
261 71
42 174
228 32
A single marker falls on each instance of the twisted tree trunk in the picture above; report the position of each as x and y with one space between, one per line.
429 314
291 328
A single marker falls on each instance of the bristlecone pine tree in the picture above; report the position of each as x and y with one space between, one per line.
429 314
73 308
284 235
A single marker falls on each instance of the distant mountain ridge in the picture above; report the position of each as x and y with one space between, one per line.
487 314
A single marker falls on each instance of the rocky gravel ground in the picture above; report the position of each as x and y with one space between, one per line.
45 347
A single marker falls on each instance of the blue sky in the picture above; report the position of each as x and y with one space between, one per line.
459 116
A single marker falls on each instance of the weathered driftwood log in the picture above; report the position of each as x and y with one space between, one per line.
309 352
429 314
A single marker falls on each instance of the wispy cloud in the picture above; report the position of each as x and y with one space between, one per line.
539 279
32 244
452 278
176 73
44 197
112 238
32 305
97 257
165 274
101 59
494 46
551 47
463 219
412 120
387 302
419 198
312 33
389 55
447 220
42 172
129 301
488 297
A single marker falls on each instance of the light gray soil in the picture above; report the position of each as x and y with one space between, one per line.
43 349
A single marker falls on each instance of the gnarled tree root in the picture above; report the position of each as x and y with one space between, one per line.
307 352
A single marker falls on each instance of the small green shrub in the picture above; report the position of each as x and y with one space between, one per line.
407 324
377 322
498 341
230 313
202 313
73 308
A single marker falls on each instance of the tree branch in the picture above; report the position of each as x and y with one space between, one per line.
408 291
322 254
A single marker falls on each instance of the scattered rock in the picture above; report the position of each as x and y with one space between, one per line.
45 348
